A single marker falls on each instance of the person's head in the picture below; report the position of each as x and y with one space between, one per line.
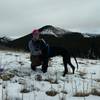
35 34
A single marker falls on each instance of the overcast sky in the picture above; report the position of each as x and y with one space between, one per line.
19 17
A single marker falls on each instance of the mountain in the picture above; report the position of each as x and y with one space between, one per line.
81 45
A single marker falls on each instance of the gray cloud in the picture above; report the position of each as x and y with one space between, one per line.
19 17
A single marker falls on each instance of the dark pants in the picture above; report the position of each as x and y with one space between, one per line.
35 61
40 60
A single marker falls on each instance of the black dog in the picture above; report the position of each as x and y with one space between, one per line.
52 51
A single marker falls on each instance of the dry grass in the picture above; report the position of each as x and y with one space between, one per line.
6 77
38 78
25 91
51 93
64 92
82 63
81 94
52 81
82 74
97 80
95 92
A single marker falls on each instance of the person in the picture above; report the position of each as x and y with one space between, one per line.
39 51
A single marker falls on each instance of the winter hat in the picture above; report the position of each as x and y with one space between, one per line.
35 32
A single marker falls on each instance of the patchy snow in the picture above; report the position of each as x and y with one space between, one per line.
19 82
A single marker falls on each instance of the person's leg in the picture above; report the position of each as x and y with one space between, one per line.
33 67
32 63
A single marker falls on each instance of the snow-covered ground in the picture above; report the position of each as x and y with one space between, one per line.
19 82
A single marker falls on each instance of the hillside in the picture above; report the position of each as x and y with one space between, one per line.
81 45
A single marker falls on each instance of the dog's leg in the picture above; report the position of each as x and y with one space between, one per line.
44 68
65 66
45 65
73 68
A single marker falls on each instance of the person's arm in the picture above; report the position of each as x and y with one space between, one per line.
43 44
33 50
